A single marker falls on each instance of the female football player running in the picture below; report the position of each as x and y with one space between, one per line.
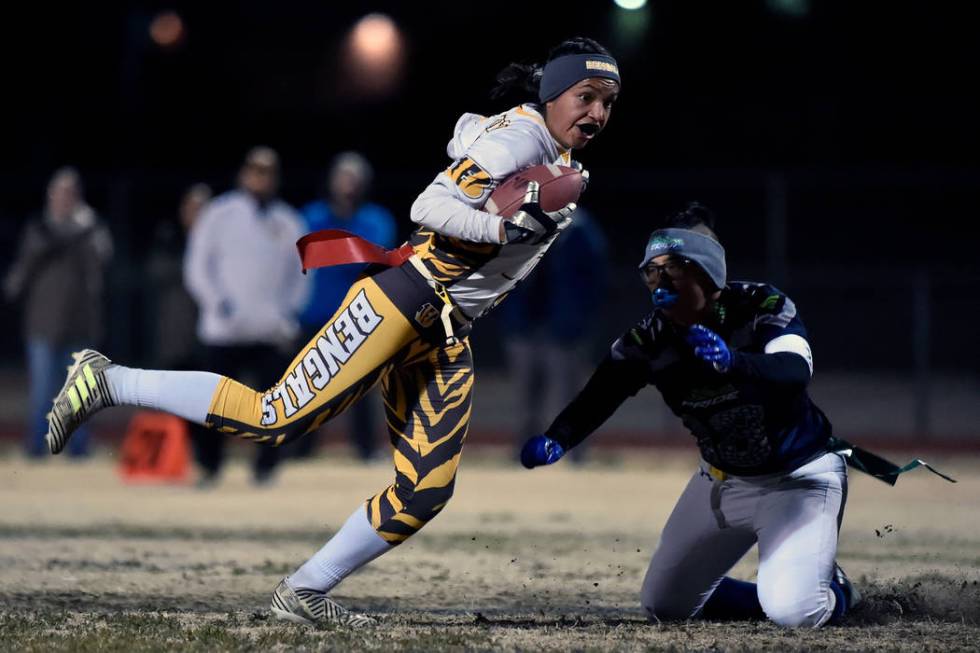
402 325
732 361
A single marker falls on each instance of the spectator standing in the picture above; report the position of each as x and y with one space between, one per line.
242 269
59 273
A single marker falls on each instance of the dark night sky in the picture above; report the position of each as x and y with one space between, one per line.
868 109
725 84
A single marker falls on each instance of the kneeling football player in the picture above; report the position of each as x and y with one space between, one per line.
732 360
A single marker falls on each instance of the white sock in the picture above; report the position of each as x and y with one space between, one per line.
185 394
352 547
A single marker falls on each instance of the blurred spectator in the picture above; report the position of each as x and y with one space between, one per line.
59 273
549 322
175 312
242 269
344 206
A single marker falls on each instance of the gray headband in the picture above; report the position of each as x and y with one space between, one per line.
562 73
700 248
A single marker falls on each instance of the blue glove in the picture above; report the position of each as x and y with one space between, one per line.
709 347
541 450
662 298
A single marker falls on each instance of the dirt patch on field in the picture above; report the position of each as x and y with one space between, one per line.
549 560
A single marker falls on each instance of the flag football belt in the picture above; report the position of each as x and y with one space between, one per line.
861 460
874 465
329 247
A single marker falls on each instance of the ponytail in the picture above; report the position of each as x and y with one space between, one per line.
524 80
520 80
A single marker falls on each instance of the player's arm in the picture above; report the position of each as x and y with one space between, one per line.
439 209
452 204
779 368
611 384
620 375
785 359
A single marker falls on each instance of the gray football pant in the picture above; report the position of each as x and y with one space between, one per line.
794 517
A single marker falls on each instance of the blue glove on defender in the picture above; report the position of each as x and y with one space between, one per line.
541 450
709 347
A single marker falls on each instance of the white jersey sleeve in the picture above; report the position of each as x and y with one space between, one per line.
485 151
458 242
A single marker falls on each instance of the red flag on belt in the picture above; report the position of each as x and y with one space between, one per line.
328 247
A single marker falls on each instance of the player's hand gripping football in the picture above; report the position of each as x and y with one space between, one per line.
709 347
532 224
541 450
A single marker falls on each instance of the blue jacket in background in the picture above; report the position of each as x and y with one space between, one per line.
330 285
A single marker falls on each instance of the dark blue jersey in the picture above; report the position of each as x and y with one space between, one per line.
757 418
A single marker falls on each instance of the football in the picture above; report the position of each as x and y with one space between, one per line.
559 186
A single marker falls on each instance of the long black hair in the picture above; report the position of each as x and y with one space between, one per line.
523 80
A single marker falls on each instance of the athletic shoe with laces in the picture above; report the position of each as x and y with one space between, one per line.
853 595
312 607
85 393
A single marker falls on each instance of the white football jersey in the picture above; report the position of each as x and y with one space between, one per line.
458 241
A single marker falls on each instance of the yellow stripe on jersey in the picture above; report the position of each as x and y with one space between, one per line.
472 180
449 259
521 111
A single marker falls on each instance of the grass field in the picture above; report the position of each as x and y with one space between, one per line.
544 560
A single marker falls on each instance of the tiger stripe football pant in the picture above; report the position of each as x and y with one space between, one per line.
427 410
387 330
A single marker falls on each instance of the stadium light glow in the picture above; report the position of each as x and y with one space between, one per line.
631 27
630 5
167 29
374 54
791 8
375 39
